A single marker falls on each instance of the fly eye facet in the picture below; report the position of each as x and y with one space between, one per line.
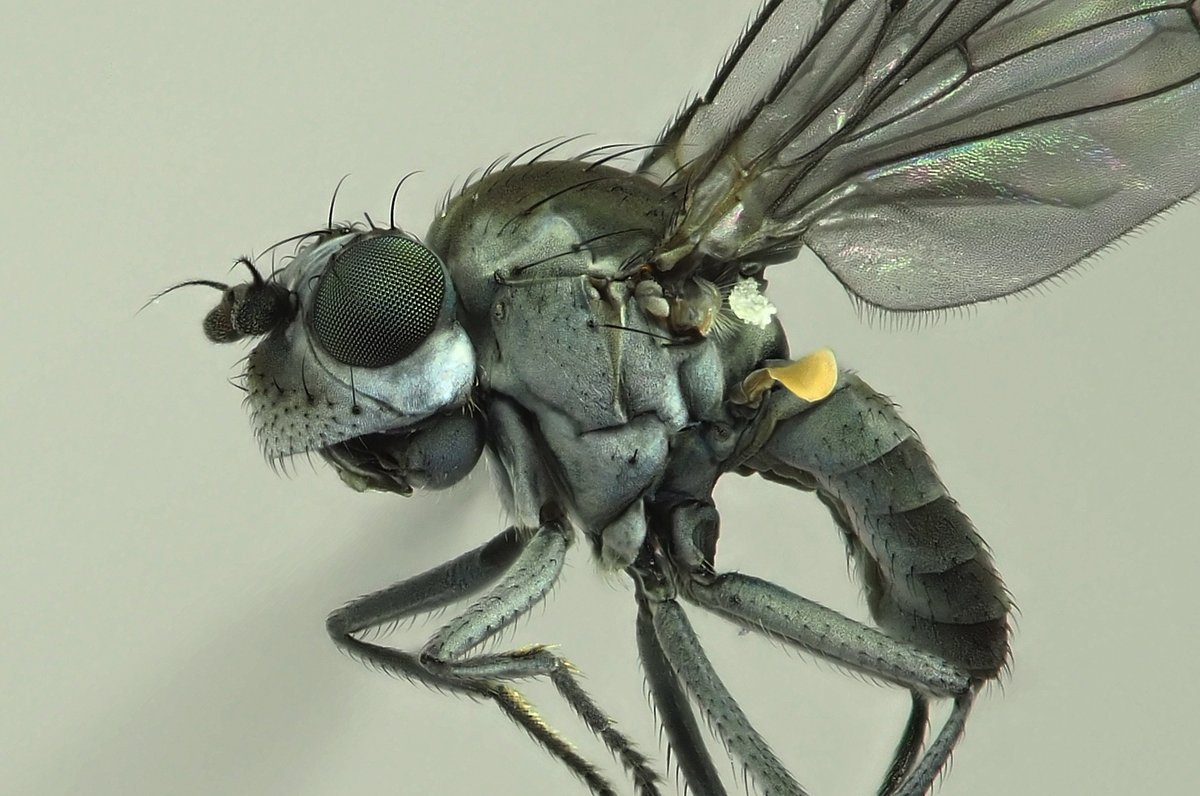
378 300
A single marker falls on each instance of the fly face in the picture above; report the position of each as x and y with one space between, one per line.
361 350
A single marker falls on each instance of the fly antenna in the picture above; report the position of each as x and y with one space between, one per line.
201 282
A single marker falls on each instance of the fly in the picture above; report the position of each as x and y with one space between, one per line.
605 337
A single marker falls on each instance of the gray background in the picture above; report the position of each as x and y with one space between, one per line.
164 592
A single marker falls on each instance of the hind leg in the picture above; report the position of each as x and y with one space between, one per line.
764 607
676 663
928 576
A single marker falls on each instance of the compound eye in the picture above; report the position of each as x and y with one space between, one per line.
378 301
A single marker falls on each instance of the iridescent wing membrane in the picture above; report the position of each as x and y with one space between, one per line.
936 153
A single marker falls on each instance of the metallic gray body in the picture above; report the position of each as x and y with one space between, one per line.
603 334
604 404
622 423
604 414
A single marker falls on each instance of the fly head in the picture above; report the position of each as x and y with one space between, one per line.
359 350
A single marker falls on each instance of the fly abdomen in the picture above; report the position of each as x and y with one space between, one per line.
928 576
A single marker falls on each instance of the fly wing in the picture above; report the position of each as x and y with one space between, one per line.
936 153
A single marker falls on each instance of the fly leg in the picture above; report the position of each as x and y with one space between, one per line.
684 737
905 756
524 585
928 575
673 657
439 587
672 654
763 607
521 568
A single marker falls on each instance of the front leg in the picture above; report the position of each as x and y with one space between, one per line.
524 585
523 566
